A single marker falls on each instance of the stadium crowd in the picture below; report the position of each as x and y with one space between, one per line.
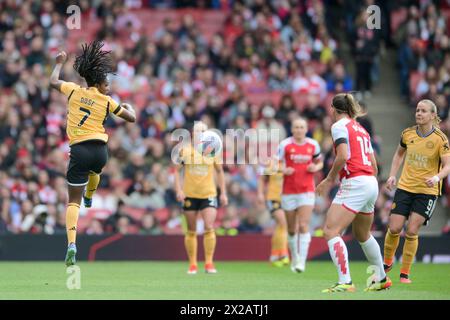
283 51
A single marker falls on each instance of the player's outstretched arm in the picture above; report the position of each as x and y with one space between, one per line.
396 163
128 113
55 82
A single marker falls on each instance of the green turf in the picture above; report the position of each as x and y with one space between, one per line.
235 280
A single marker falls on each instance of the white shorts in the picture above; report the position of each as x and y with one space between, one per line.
290 202
358 194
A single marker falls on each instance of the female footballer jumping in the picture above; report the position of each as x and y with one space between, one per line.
88 109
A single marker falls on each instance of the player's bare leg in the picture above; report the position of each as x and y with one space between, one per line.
72 212
339 218
279 255
415 222
190 240
209 238
392 239
361 230
292 226
304 217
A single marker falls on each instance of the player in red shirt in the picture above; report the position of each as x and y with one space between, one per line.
300 158
355 201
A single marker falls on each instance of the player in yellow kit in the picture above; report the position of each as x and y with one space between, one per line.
198 194
279 251
88 109
425 154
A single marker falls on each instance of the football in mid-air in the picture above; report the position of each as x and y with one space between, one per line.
210 144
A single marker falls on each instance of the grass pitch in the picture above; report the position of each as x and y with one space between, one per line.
235 281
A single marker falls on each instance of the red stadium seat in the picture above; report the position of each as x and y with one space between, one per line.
300 100
121 184
162 215
99 214
135 213
133 229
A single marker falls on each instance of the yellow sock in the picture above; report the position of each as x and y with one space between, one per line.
279 241
209 245
390 246
92 185
71 221
409 252
190 243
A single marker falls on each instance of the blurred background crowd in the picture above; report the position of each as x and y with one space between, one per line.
232 64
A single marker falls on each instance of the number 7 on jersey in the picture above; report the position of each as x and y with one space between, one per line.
88 113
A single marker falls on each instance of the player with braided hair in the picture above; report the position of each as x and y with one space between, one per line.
88 109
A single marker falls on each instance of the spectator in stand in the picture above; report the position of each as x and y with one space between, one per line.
236 196
338 81
250 224
147 198
150 225
431 78
313 110
310 83
365 49
269 122
123 225
95 227
278 78
112 222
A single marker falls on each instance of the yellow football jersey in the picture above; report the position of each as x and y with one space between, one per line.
275 187
199 180
422 159
88 110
